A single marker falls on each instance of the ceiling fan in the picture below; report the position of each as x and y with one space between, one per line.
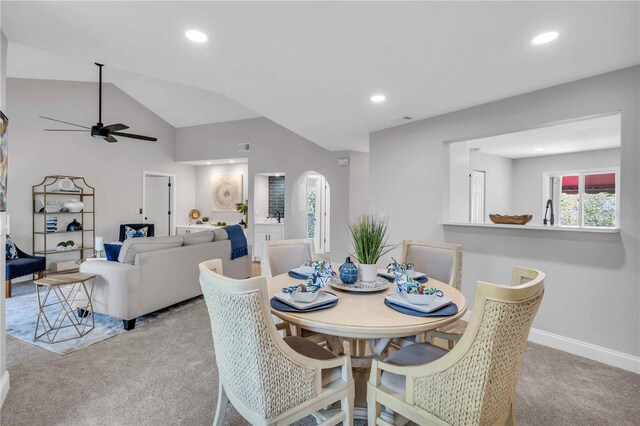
100 130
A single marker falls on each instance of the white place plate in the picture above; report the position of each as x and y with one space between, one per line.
415 274
400 300
322 299
360 286
304 270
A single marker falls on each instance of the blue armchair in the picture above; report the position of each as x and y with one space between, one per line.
25 264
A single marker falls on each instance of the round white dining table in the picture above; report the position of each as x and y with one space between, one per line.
361 319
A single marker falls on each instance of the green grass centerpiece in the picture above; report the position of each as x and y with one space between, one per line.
369 236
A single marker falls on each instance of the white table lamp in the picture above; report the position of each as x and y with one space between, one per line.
99 246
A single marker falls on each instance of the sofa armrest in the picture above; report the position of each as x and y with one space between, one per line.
116 288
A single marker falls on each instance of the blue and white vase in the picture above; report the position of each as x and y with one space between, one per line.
348 272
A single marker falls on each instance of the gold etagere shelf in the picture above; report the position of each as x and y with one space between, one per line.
54 191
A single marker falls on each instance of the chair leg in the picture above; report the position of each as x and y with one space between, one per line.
374 408
221 409
347 405
7 289
451 344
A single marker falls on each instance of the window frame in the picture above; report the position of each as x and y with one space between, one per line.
547 185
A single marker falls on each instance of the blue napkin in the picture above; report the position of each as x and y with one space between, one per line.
445 311
421 280
298 276
281 306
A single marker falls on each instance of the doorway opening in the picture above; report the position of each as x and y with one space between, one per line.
158 202
314 199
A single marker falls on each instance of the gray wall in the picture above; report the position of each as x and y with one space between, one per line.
498 178
115 170
579 266
527 176
358 184
274 149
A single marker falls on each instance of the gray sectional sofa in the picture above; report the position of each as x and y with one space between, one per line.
153 273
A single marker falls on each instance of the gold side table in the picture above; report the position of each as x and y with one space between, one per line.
66 288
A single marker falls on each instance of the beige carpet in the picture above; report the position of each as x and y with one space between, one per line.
163 373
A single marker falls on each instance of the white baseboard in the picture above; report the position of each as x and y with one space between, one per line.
583 349
4 387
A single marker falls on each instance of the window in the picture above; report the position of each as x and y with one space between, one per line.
585 199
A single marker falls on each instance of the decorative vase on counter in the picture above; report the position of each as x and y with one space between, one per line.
368 273
74 226
348 272
74 206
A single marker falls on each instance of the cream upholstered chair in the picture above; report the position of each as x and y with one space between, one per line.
268 379
281 256
474 383
442 262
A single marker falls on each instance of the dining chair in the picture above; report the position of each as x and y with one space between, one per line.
270 380
282 256
473 383
442 262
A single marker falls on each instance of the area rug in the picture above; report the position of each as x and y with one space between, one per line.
22 313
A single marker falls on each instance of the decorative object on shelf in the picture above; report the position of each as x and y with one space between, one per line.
65 245
205 219
226 192
100 130
51 206
64 210
4 161
510 220
199 222
348 272
74 226
52 223
74 206
98 246
135 233
243 208
221 223
369 236
66 185
194 214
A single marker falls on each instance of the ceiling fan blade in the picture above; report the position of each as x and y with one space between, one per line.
132 136
110 139
65 130
65 122
115 127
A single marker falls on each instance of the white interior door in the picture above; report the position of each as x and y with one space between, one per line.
477 196
325 216
157 203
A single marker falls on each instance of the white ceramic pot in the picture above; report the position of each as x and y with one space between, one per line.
368 273
74 206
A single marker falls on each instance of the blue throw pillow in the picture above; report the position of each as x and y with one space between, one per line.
10 249
129 232
112 251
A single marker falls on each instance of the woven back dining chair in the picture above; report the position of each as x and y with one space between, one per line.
282 256
260 373
474 383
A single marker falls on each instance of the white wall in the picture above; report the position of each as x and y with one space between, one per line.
358 184
203 190
528 188
579 266
261 197
274 149
498 177
115 170
4 374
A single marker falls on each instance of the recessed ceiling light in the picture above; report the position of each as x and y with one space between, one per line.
539 149
208 163
197 36
545 37
231 161
378 98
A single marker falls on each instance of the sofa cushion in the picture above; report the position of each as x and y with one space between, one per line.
130 232
220 234
198 238
10 249
112 251
133 246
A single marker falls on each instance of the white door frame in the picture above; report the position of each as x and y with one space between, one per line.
146 173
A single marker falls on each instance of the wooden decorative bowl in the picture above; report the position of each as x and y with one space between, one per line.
511 220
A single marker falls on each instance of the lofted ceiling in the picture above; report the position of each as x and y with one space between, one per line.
312 66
